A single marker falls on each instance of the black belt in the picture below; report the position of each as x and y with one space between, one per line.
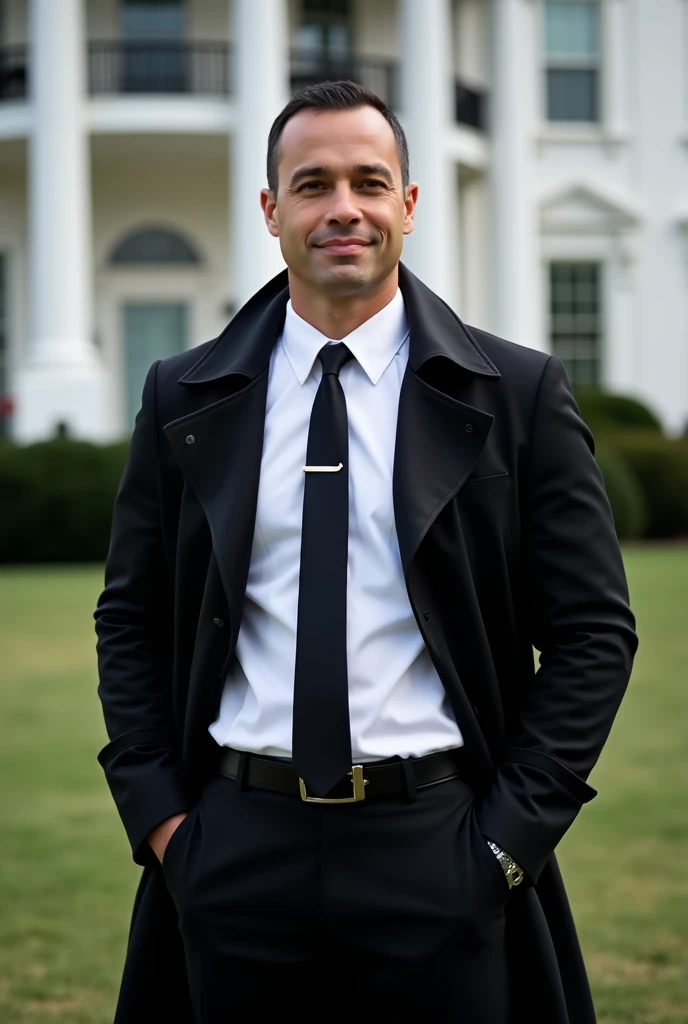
389 778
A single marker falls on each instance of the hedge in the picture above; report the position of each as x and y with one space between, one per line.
56 500
660 464
56 497
626 496
605 412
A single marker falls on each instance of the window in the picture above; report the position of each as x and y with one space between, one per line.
575 320
154 245
324 35
572 37
155 53
153 19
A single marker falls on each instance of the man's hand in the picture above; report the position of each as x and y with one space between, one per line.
162 833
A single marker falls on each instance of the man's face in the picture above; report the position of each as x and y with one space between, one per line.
340 212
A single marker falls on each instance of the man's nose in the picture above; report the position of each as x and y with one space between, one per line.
344 208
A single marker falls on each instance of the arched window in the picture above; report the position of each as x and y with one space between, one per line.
154 245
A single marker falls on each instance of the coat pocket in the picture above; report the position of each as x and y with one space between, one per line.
479 484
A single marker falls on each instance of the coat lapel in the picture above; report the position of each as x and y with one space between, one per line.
219 447
439 439
219 451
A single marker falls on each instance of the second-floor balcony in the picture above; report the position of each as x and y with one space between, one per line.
130 67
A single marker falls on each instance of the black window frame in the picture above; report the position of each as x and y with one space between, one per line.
323 14
576 333
155 61
567 77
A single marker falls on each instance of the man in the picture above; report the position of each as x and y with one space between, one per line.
342 527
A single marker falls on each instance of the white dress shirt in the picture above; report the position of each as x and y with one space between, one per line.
397 703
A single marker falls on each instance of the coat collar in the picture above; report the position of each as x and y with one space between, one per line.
245 345
438 443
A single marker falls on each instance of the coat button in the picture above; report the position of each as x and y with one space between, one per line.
190 439
426 615
218 622
469 428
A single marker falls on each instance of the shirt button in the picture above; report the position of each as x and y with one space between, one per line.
218 622
426 615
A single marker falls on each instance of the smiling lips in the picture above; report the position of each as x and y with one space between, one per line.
344 246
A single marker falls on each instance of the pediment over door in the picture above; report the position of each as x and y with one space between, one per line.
586 208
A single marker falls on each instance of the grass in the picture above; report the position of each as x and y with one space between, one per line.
66 877
624 858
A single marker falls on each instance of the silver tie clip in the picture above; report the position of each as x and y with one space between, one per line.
323 469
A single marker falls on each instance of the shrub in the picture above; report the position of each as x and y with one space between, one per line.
604 412
625 494
660 464
56 500
56 497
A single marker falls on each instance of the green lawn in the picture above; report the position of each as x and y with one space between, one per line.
67 882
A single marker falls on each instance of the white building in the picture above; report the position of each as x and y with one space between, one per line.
550 140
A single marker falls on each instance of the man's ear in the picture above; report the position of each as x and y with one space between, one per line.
410 200
269 206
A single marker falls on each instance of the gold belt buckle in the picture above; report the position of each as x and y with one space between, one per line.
357 781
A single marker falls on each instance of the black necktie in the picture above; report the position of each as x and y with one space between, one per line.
321 731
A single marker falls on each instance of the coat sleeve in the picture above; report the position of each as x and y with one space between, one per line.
580 621
134 629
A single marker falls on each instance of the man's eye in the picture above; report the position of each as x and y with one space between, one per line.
311 185
374 183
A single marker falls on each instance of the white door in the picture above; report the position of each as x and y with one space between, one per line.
152 331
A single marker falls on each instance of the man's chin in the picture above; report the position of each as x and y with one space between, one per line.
345 278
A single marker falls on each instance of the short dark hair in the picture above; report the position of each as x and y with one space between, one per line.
341 95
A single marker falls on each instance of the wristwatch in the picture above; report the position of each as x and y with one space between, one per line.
514 874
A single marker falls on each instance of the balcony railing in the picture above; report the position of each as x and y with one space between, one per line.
130 66
13 73
382 77
181 68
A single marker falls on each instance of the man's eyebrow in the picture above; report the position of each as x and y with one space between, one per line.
378 170
321 171
308 172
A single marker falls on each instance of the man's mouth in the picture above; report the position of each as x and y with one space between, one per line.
344 246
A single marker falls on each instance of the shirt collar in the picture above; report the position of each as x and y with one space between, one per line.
374 344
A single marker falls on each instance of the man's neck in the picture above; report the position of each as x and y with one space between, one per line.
336 317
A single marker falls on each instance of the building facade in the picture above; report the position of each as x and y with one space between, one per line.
549 139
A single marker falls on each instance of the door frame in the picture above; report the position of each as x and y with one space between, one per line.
110 299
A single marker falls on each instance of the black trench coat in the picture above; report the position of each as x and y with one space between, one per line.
507 542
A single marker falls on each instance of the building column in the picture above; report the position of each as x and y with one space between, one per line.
427 91
516 286
61 378
261 89
615 50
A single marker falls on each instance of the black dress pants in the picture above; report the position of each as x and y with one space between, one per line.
383 910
